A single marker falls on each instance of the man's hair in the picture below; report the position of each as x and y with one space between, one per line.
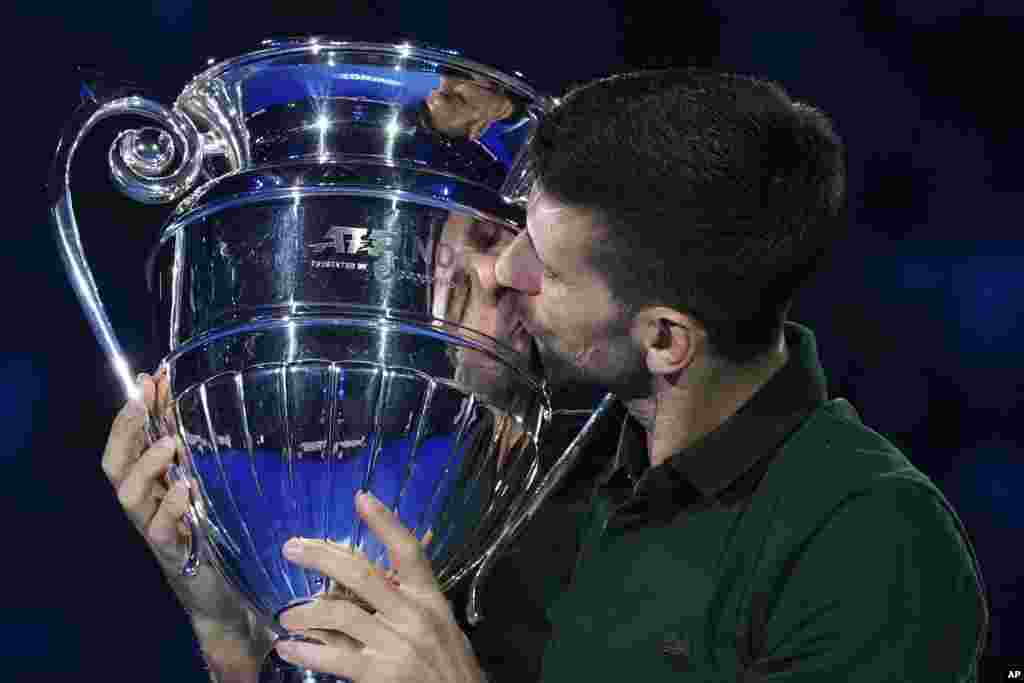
718 194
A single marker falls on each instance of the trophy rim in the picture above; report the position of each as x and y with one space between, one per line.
314 44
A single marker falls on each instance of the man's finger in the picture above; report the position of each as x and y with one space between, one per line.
136 490
164 529
331 638
404 550
127 438
125 442
339 658
164 407
343 616
351 569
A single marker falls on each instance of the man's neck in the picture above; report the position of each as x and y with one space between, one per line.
676 416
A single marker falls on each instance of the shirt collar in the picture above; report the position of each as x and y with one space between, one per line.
717 461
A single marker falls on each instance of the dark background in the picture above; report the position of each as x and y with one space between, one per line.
918 315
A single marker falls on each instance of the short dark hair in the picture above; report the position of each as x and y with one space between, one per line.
717 192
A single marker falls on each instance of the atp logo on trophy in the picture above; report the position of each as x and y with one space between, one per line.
343 239
355 247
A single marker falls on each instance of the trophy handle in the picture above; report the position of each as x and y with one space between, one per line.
139 164
546 487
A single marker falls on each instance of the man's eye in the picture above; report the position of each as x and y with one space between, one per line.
484 236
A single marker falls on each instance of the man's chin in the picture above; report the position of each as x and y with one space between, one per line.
561 376
569 383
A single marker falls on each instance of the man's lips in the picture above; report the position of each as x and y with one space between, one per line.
525 342
516 331
519 337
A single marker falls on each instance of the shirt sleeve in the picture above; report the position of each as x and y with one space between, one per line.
886 590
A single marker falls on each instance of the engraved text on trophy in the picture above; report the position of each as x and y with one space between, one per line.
386 248
344 241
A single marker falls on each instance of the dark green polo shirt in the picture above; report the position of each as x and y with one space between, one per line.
790 544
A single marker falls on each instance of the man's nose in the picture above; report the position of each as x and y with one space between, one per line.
517 268
482 266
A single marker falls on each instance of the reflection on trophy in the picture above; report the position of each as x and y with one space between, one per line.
324 305
466 108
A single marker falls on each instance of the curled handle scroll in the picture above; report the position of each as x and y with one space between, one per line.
142 167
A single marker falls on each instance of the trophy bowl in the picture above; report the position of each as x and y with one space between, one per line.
324 301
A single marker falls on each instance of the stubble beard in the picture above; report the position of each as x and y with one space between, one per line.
616 364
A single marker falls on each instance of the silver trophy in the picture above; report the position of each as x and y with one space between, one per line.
324 305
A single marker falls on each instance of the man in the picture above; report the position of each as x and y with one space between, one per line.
465 293
466 108
748 528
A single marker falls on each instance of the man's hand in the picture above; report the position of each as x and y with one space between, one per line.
412 634
232 643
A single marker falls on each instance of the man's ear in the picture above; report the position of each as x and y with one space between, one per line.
670 339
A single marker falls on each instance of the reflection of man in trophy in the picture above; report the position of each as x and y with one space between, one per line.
676 215
466 108
466 293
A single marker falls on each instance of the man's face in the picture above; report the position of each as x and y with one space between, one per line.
467 294
464 108
582 333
